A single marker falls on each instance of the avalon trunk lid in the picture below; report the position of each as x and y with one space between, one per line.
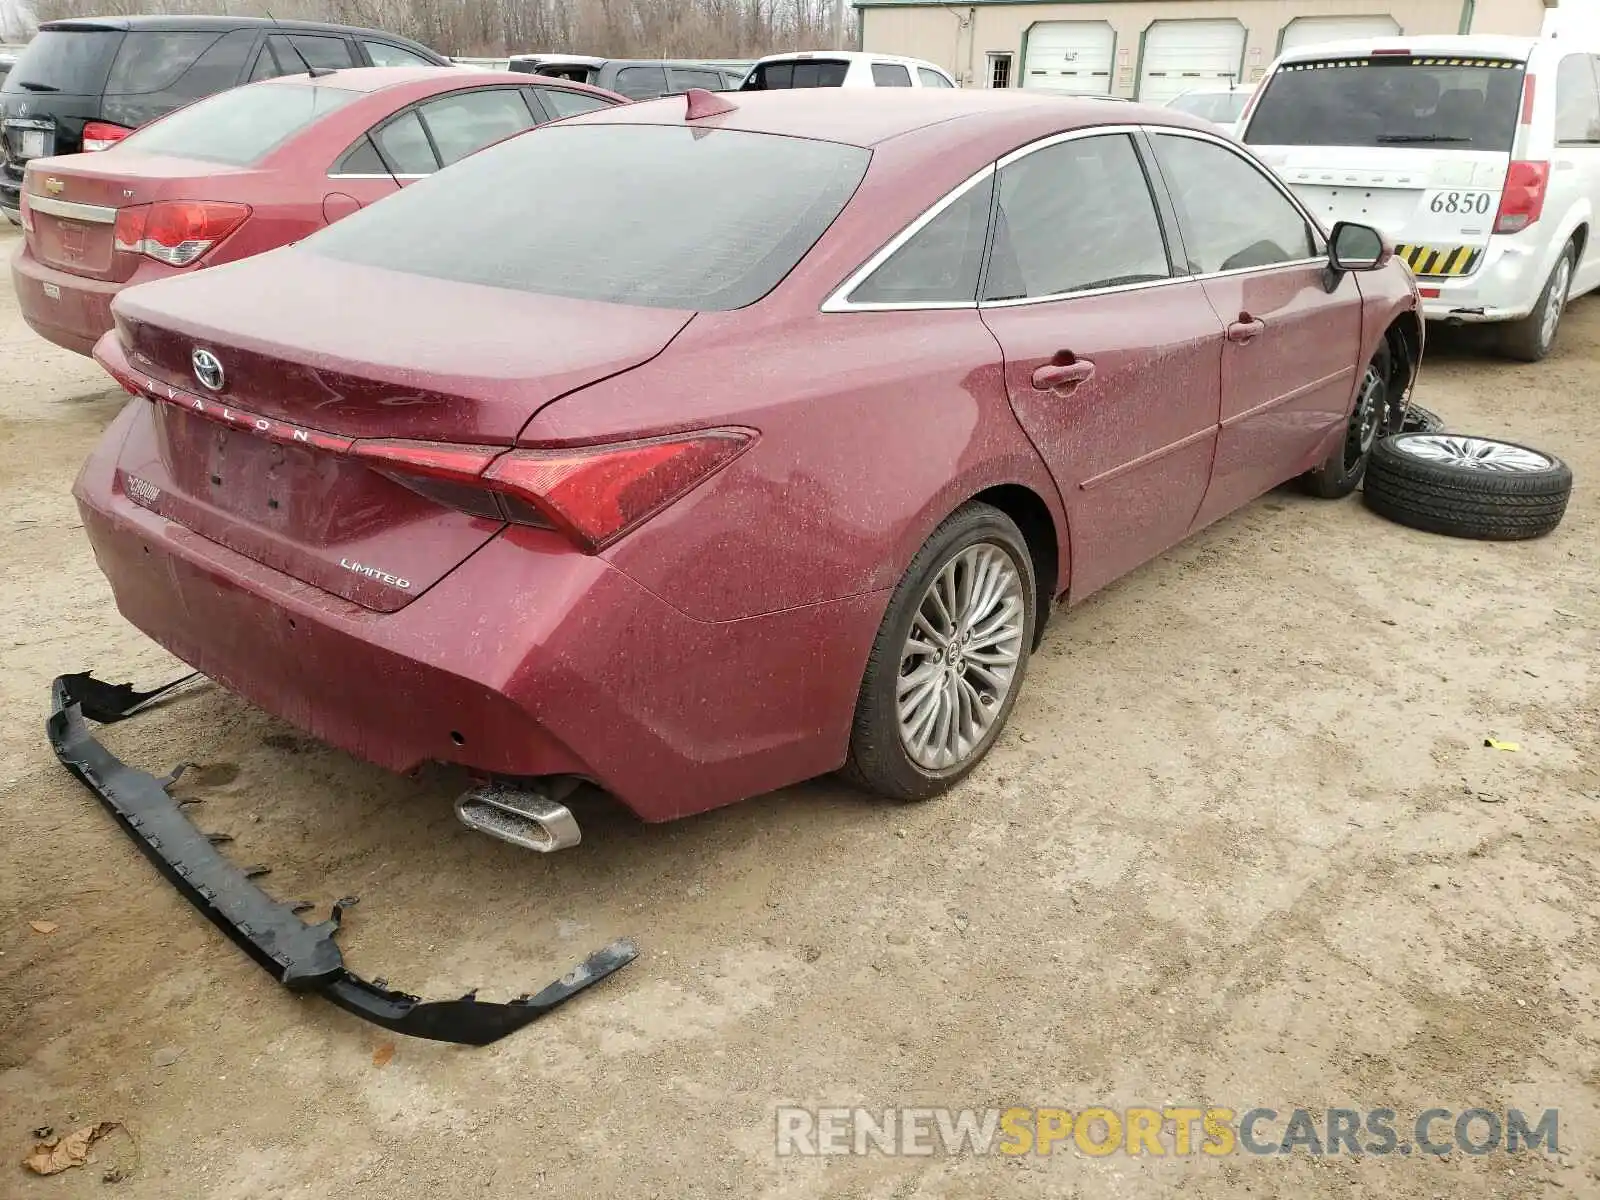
314 354
75 200
1417 145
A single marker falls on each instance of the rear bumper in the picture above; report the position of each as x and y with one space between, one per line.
521 662
69 310
1505 286
304 958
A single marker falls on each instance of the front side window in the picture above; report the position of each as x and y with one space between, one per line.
1072 217
469 121
1232 216
240 126
569 104
941 261
1577 104
730 215
934 79
890 75
383 54
1465 104
642 83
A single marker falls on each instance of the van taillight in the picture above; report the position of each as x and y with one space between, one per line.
176 232
1522 202
102 135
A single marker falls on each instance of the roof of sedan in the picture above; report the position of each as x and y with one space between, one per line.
863 118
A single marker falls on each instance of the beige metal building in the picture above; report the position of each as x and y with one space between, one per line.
1154 49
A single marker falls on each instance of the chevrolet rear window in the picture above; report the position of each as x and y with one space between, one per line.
241 126
557 212
1458 103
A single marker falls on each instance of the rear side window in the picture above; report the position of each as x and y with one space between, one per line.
940 263
291 55
1073 217
569 104
405 146
731 213
1577 101
70 61
1465 103
684 78
240 126
641 83
931 78
182 66
469 121
890 75
806 73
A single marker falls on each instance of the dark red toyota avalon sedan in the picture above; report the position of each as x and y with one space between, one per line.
694 448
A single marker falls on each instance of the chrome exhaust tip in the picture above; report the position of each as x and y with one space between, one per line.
525 816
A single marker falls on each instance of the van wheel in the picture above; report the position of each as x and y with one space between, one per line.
949 658
1530 339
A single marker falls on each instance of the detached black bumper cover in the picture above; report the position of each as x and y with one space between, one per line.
304 958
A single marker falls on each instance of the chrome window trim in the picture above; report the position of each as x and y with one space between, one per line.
94 214
838 301
383 175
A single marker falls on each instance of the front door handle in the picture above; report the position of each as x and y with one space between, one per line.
1063 376
1246 329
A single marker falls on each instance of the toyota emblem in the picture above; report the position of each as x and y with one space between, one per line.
207 369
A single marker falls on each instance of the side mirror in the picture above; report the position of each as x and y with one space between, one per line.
1355 247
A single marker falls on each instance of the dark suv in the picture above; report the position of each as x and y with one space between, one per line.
635 78
86 84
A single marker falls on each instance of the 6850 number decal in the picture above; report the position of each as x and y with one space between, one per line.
1471 203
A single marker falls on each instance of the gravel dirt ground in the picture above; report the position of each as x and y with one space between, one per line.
1242 845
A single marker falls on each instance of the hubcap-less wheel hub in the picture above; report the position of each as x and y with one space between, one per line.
1364 422
1555 302
960 659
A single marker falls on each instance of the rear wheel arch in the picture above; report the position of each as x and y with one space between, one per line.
1033 517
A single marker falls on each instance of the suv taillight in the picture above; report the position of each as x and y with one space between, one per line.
176 232
102 135
1522 201
25 213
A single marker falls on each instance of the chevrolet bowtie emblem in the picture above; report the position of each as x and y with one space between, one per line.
54 186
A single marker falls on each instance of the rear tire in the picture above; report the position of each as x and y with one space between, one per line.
1466 486
1531 338
949 658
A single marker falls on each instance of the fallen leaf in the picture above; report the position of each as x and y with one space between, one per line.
382 1055
44 926
54 1155
1495 744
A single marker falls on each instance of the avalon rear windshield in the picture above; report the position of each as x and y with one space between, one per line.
656 215
1403 100
241 126
73 62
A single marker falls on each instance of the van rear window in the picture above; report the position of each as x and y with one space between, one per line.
70 62
1383 100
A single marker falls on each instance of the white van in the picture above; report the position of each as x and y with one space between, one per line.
843 68
1478 156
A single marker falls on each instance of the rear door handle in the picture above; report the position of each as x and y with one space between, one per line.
1245 329
1063 376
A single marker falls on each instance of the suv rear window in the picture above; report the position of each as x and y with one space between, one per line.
731 213
71 61
1399 100
802 73
239 127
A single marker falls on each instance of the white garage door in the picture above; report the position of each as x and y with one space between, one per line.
1308 31
1182 55
1070 56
